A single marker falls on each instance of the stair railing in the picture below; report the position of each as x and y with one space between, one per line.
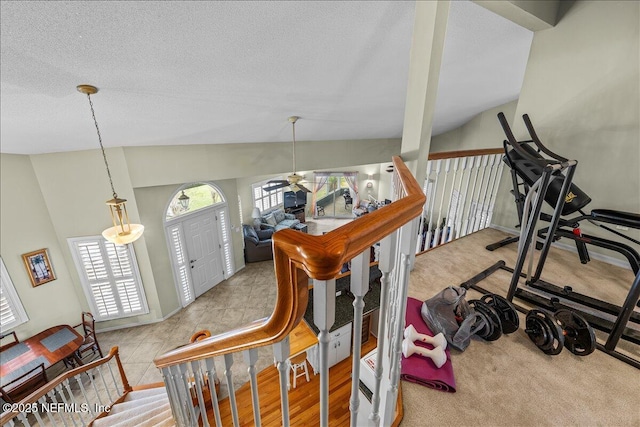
188 370
74 398
463 186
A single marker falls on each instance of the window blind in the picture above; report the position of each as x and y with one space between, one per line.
12 312
110 277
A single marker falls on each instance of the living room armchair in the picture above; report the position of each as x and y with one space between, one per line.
257 244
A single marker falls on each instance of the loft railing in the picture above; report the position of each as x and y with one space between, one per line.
461 188
189 370
74 398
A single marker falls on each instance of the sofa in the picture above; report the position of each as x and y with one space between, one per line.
278 220
257 244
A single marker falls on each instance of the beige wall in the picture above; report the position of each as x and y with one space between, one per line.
582 93
26 226
483 131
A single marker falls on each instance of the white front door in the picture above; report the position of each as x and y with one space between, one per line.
204 252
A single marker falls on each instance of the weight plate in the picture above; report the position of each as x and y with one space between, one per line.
508 314
491 317
542 329
579 337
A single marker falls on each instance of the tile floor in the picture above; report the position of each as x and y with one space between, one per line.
247 296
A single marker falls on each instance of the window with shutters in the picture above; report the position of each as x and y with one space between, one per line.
110 277
12 313
267 200
225 241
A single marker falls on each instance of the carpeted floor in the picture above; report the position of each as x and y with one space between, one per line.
510 382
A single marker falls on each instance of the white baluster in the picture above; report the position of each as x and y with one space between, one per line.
460 232
198 383
84 394
434 192
22 417
250 358
281 353
43 401
447 231
386 265
436 239
113 377
172 393
359 288
106 387
64 399
494 190
398 326
52 396
182 395
324 315
477 211
487 187
228 363
472 208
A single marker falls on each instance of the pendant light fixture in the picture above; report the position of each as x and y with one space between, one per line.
123 231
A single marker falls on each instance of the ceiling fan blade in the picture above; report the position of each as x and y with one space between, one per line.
276 186
303 188
278 181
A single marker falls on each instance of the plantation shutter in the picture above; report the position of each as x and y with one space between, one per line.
110 277
176 245
225 239
12 313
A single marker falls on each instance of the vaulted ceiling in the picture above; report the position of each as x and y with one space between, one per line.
211 72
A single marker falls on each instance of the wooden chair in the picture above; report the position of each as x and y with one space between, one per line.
14 391
90 341
9 343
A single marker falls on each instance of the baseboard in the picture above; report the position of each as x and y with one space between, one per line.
131 325
571 248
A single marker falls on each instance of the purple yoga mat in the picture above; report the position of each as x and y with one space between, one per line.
421 370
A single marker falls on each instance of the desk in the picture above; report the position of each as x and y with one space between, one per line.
49 347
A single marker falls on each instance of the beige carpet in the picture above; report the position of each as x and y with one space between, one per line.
510 382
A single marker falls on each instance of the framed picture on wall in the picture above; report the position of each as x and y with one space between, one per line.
38 267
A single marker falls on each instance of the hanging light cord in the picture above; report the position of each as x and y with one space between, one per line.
104 156
294 147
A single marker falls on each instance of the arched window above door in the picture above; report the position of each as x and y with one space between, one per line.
199 196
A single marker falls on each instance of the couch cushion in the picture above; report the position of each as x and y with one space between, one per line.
287 223
278 215
270 219
250 233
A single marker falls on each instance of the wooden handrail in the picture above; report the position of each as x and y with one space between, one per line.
298 256
33 397
464 153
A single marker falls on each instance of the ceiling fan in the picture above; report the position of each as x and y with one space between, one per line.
293 180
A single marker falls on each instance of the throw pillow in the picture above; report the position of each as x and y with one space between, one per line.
269 219
279 216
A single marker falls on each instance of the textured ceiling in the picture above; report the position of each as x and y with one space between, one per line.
229 72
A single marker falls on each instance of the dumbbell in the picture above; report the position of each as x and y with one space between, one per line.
438 340
437 355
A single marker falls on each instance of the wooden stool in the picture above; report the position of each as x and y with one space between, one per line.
299 362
